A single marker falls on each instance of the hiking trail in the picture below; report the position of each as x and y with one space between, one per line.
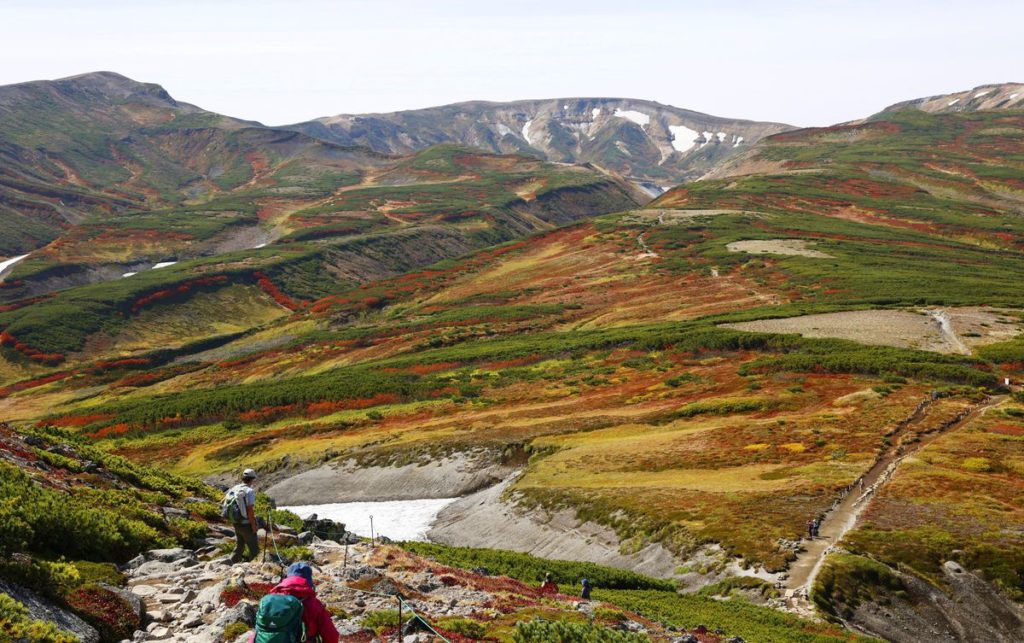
848 508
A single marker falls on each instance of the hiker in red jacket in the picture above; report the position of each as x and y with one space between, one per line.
319 626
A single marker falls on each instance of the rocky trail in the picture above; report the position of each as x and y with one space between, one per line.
197 596
909 437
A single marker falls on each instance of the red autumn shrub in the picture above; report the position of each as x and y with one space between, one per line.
105 610
253 592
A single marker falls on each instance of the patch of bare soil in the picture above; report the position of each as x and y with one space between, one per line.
952 330
791 247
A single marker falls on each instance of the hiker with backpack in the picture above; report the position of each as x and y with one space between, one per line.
585 593
548 586
239 506
291 612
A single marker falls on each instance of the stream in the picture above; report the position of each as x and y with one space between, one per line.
396 519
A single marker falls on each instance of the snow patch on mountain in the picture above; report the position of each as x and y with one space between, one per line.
683 138
526 131
594 113
641 119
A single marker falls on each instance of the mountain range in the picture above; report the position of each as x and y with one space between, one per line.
828 324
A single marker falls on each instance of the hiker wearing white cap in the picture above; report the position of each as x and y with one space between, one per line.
238 506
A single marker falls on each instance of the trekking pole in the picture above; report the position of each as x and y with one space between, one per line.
372 544
266 535
345 565
398 635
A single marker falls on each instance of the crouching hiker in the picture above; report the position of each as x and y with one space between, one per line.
239 506
548 586
291 612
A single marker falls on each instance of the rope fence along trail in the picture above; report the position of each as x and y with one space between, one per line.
401 602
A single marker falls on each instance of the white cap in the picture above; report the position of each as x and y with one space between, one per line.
249 473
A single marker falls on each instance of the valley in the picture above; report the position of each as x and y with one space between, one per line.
539 359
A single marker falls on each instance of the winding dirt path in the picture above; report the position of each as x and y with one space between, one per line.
847 509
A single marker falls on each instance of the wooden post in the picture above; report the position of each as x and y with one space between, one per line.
372 543
345 566
399 635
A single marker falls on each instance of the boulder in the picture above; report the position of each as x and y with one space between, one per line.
133 600
170 555
43 610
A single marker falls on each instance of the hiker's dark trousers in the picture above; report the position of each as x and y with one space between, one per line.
245 537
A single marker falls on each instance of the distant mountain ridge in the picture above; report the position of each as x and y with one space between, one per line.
981 98
655 145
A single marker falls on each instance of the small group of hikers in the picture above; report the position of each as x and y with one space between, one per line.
813 527
291 612
549 586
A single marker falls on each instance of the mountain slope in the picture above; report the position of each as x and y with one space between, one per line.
114 177
652 144
981 98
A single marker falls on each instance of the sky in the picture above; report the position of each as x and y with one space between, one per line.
278 62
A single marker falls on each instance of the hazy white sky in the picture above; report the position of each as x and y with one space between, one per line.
801 62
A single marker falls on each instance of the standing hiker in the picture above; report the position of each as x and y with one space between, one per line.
810 528
816 525
239 506
585 594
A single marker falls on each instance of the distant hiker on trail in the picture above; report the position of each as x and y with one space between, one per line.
810 529
816 525
548 586
585 594
238 506
316 620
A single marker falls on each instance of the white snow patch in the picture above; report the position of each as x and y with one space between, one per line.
721 137
164 264
1012 96
396 519
707 137
622 148
641 119
980 94
594 113
683 138
129 274
4 265
953 102
739 139
504 129
260 245
526 131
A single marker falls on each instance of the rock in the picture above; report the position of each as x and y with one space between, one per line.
144 591
211 595
192 622
244 611
41 609
159 633
155 568
305 537
386 586
173 512
133 600
170 555
132 564
686 638
159 616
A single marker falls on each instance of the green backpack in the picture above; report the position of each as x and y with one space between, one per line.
229 508
279 620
